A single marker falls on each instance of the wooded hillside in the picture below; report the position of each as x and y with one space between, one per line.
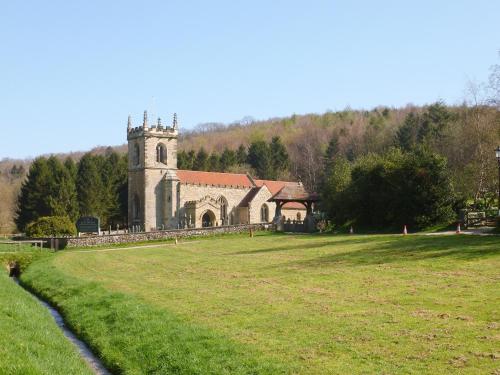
465 136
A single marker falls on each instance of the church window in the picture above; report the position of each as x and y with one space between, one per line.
135 207
264 213
161 153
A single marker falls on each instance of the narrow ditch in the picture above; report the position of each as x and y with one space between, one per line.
90 358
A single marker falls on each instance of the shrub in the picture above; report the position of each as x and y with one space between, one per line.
391 190
51 226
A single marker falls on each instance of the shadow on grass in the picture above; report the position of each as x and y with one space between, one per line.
310 243
397 249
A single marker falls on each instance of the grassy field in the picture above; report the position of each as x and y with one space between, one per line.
30 342
5 247
291 304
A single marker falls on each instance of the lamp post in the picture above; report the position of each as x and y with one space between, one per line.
497 154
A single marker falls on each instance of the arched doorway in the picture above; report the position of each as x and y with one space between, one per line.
208 219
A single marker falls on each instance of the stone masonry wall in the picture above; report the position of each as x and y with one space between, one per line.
233 195
257 202
156 235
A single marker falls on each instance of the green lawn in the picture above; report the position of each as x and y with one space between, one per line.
292 304
30 342
6 247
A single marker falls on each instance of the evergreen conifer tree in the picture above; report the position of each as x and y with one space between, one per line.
201 161
32 200
213 162
90 187
241 155
62 196
259 157
279 158
227 159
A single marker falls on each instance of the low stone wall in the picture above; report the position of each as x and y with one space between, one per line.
157 235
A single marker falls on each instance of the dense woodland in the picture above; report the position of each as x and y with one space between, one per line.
435 158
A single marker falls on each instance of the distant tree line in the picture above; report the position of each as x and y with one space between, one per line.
266 160
409 183
374 167
96 185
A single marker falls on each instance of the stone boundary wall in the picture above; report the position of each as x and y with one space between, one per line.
88 241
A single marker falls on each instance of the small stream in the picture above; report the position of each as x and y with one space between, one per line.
93 361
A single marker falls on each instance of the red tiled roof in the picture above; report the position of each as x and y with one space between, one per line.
294 193
275 186
214 178
236 179
294 205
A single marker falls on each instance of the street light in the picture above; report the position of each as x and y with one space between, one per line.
497 154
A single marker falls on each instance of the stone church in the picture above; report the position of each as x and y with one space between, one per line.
160 196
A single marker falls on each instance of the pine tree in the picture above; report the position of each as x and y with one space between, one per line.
259 157
333 147
114 180
407 134
122 188
32 201
279 157
228 158
241 155
49 190
434 121
213 162
191 159
71 167
201 161
182 160
62 196
90 187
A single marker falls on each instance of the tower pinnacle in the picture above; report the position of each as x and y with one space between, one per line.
129 122
145 121
174 122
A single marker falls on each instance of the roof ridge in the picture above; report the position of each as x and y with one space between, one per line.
190 170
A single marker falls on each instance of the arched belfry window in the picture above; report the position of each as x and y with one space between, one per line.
161 153
264 213
136 159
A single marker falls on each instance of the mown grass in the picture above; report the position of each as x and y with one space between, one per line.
137 338
7 247
30 342
317 304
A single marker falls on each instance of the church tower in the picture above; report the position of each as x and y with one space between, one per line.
152 177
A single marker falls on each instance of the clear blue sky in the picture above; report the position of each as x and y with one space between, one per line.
72 71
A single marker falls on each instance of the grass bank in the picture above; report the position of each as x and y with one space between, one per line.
134 337
30 342
13 247
320 304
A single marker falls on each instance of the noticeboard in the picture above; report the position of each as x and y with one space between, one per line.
88 224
